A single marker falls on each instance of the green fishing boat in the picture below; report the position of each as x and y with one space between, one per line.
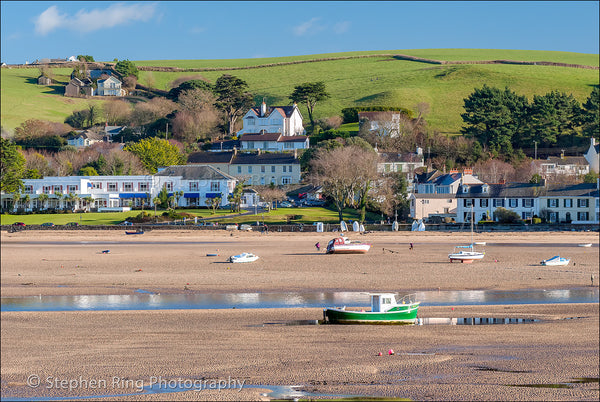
384 310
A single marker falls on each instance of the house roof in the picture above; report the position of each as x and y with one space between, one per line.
210 157
112 77
90 135
195 172
292 138
113 130
394 157
434 195
568 160
285 111
576 190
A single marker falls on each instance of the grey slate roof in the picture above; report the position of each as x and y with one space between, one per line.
210 157
195 172
285 110
394 157
568 160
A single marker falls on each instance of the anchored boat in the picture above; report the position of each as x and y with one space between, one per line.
556 260
244 257
342 245
467 254
384 310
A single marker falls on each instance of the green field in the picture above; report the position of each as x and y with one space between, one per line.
372 81
277 216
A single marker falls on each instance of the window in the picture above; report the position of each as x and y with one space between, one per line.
468 202
127 186
286 180
97 185
111 186
250 121
568 202
485 188
272 169
284 169
553 217
526 215
443 190
57 189
552 203
28 189
239 169
465 189
582 216
446 210
288 145
265 145
143 186
250 144
193 186
513 203
215 186
498 202
527 202
273 180
483 203
262 181
72 189
249 169
290 168
169 186
581 202
262 169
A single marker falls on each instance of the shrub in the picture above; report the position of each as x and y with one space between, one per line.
506 216
537 221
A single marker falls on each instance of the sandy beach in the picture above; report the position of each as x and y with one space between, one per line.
433 362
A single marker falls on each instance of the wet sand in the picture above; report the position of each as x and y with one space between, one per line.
438 362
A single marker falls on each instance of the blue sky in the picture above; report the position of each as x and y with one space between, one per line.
248 29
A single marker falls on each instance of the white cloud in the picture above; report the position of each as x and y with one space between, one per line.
49 20
88 21
341 27
305 27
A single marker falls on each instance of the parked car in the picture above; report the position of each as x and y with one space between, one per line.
72 224
285 204
20 224
47 224
126 223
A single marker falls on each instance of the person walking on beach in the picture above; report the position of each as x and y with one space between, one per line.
411 246
318 246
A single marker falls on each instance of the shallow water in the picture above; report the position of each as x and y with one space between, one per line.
146 300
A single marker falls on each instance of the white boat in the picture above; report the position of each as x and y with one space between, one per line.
556 260
342 245
467 254
479 243
585 245
244 257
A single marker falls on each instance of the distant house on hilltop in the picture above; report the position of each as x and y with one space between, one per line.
79 88
110 86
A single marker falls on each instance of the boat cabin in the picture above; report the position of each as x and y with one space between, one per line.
381 302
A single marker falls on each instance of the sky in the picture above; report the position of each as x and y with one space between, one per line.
158 30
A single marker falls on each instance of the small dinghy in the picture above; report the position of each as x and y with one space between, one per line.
556 260
585 245
244 257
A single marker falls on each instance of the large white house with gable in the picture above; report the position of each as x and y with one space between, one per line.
285 120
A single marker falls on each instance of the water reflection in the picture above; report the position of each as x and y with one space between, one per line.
149 301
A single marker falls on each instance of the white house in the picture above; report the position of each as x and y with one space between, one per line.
86 138
592 156
191 185
383 123
110 86
286 120
565 166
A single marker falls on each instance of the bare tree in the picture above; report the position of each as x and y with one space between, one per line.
270 194
494 171
150 80
117 111
346 175
148 112
197 118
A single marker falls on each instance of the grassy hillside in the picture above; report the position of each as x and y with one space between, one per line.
352 82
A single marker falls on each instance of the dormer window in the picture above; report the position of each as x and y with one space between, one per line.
485 188
250 120
465 189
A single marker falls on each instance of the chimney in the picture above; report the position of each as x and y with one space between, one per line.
468 171
263 109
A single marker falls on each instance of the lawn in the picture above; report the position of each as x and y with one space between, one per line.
277 216
382 81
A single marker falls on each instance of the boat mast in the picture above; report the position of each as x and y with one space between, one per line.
472 216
